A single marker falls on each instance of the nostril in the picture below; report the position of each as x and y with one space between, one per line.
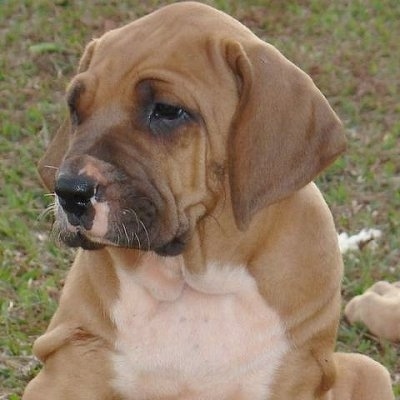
74 193
75 188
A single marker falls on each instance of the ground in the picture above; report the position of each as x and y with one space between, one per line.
350 48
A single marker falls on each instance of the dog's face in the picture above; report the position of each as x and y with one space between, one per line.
170 112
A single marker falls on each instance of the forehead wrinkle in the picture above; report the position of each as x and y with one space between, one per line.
98 135
106 118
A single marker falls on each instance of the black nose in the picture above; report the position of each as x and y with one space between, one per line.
74 193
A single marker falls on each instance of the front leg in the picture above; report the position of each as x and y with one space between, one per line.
78 369
360 378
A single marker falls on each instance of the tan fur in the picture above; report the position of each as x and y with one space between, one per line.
237 183
379 309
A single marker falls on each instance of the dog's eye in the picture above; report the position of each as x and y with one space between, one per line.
166 117
167 112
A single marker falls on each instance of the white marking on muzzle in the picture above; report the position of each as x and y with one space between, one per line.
100 220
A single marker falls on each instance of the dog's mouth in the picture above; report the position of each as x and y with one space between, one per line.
173 247
94 224
78 237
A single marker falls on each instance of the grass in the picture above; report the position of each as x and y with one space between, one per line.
349 48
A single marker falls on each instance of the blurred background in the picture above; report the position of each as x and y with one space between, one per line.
351 50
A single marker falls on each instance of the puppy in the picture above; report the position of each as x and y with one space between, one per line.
209 266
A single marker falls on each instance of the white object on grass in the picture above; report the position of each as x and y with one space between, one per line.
358 241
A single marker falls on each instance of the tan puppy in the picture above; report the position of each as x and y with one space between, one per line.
379 309
195 141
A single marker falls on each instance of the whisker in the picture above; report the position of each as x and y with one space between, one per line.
55 235
126 233
146 232
50 167
137 240
119 234
59 239
46 212
139 222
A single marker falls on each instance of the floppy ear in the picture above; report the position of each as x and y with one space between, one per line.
52 158
283 134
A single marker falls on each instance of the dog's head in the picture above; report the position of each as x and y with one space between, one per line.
169 113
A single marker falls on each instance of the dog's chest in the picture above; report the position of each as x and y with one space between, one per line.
185 337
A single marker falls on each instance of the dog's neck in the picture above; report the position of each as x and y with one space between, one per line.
217 238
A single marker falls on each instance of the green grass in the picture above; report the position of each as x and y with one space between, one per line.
349 48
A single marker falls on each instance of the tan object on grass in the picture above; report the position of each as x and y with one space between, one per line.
379 309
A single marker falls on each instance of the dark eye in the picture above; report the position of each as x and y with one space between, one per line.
167 112
165 118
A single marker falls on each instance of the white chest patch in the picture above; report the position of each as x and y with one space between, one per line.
186 337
